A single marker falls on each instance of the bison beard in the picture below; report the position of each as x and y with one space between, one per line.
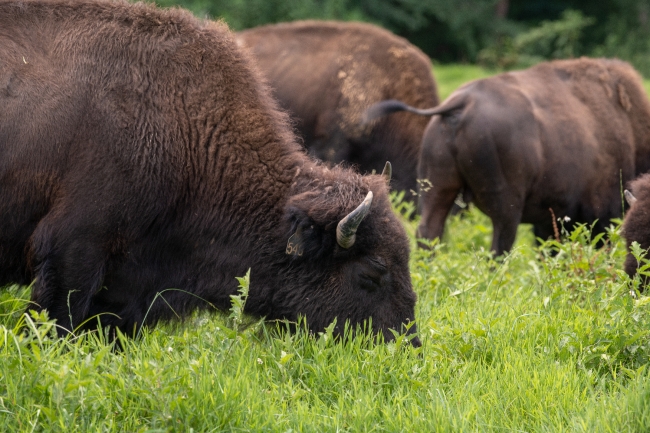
326 73
561 135
139 152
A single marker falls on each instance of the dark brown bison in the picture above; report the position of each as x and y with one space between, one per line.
139 152
327 73
636 227
561 136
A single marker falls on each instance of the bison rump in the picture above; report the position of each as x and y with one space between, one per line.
555 139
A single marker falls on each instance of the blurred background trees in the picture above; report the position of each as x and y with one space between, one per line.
496 33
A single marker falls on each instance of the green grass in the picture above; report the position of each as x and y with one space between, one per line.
536 342
450 76
548 339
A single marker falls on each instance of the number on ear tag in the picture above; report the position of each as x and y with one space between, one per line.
295 246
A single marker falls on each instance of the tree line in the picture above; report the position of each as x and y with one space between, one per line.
502 34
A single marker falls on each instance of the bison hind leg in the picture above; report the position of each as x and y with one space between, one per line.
504 210
503 236
543 232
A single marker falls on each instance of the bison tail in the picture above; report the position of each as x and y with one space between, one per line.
389 106
384 108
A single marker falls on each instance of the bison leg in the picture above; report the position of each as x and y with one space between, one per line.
439 202
505 212
503 235
439 181
543 232
69 271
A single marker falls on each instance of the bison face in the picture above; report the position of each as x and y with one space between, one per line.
347 259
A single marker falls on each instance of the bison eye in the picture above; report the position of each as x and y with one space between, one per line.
372 275
369 282
378 265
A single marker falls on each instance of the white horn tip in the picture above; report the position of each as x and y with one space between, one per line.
629 197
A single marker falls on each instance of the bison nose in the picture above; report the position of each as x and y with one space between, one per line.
415 342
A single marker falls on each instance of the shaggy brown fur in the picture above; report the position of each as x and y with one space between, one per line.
327 73
562 135
139 152
636 227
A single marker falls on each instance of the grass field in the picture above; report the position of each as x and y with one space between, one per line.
548 339
450 77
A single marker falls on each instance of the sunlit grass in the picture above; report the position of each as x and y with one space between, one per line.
547 339
451 76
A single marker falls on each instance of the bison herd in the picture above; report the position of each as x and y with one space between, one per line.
147 158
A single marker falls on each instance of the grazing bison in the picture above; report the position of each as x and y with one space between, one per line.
139 152
327 73
557 139
636 227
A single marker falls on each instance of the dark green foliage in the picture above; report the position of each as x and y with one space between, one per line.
621 28
453 30
242 14
559 39
498 33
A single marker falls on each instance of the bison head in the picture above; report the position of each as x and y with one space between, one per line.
346 258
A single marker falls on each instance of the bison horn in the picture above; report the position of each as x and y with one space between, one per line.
629 197
387 172
347 228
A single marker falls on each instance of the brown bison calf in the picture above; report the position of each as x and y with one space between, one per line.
561 136
327 73
139 152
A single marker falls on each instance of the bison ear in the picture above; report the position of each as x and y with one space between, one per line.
387 173
296 243
306 239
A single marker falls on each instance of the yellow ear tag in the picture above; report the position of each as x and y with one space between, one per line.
294 245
